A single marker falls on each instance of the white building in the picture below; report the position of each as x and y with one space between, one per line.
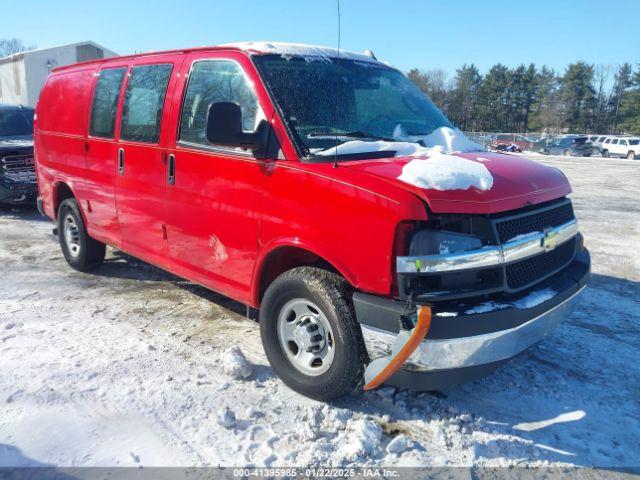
23 74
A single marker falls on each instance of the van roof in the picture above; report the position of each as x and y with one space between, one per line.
312 52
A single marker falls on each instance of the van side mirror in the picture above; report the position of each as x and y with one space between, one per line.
224 127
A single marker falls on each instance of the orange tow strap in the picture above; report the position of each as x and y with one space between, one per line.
397 359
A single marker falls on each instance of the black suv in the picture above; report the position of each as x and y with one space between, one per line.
17 166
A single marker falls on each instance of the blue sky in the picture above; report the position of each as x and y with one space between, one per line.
408 33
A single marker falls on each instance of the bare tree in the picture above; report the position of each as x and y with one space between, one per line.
9 46
602 74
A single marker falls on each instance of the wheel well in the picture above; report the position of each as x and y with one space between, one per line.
285 258
62 193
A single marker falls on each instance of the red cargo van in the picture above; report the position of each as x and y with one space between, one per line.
322 188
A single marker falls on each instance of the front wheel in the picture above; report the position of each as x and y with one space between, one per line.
631 155
567 153
310 334
605 153
80 250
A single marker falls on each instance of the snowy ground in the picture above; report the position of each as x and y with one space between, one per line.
123 367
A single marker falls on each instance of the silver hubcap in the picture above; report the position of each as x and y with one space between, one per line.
306 337
71 235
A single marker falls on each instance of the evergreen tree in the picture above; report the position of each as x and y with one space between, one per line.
630 106
433 83
578 97
462 106
493 100
546 108
622 83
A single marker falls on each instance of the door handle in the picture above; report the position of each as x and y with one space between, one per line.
171 170
121 161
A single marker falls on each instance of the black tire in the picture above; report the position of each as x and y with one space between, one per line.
605 153
568 153
631 155
83 253
332 294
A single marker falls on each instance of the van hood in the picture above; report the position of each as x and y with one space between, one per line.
517 182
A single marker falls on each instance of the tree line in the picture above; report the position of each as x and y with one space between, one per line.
584 99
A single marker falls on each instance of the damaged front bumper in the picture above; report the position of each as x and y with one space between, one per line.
469 338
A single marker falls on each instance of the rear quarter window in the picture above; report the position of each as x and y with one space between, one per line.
64 102
105 102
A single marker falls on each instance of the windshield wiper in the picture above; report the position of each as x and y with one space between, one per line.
356 134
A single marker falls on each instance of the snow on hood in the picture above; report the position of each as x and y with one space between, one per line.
446 172
309 52
440 171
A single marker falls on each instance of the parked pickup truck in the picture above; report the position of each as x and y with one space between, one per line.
380 245
17 170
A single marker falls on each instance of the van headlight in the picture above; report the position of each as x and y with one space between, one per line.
434 242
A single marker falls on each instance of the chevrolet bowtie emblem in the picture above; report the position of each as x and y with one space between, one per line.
550 240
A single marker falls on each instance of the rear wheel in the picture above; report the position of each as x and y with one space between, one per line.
310 334
631 155
605 153
80 250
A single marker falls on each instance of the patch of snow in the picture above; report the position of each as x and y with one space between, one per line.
562 418
535 298
397 149
235 364
337 418
253 413
447 314
226 418
399 444
487 307
310 53
362 438
446 172
450 139
441 140
531 300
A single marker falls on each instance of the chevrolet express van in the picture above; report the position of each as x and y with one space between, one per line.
322 187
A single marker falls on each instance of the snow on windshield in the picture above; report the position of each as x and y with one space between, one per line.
441 140
440 170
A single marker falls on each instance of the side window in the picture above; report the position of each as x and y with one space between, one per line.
214 81
143 102
105 102
614 141
608 140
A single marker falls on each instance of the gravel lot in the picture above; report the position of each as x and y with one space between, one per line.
125 366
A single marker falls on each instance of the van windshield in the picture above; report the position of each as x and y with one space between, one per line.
374 102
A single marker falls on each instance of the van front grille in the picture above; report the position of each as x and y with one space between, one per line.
531 270
534 221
